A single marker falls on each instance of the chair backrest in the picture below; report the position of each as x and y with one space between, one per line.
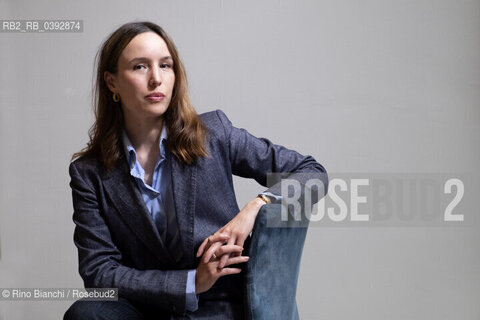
275 251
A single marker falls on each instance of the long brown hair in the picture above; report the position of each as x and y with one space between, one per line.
186 132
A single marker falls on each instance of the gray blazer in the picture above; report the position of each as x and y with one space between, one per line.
119 245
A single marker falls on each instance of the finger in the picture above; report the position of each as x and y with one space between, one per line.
228 271
209 240
202 247
236 260
209 253
224 258
218 237
240 242
228 248
225 250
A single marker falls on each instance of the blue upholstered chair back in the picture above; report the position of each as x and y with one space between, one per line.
272 270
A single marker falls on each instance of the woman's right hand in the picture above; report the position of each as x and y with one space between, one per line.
209 272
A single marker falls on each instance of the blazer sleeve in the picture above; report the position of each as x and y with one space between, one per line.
100 261
269 163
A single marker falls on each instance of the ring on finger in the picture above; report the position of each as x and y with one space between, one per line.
214 256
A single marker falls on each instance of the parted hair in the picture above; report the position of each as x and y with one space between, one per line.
186 131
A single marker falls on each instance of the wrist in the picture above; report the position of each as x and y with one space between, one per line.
252 208
259 202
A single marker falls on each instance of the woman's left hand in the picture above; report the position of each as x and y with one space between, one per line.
235 232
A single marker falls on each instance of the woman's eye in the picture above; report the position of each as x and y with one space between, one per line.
139 66
165 65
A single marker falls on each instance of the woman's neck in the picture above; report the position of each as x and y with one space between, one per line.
145 136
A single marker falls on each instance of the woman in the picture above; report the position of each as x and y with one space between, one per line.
154 205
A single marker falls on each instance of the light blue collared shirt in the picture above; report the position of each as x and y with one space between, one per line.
155 198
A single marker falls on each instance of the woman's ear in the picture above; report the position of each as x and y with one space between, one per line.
110 80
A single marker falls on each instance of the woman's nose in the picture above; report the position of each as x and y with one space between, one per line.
155 78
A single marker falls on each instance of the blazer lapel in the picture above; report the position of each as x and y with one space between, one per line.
183 188
128 201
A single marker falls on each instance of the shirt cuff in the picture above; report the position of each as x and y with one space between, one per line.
191 298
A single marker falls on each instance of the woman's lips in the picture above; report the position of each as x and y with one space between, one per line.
157 96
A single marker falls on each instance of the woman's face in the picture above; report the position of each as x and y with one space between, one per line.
145 77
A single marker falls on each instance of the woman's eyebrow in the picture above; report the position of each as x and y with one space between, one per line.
146 59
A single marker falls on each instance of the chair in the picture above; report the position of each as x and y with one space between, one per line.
275 251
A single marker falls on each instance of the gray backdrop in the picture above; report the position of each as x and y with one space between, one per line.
363 86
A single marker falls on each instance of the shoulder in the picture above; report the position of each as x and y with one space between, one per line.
85 164
217 123
87 168
215 119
